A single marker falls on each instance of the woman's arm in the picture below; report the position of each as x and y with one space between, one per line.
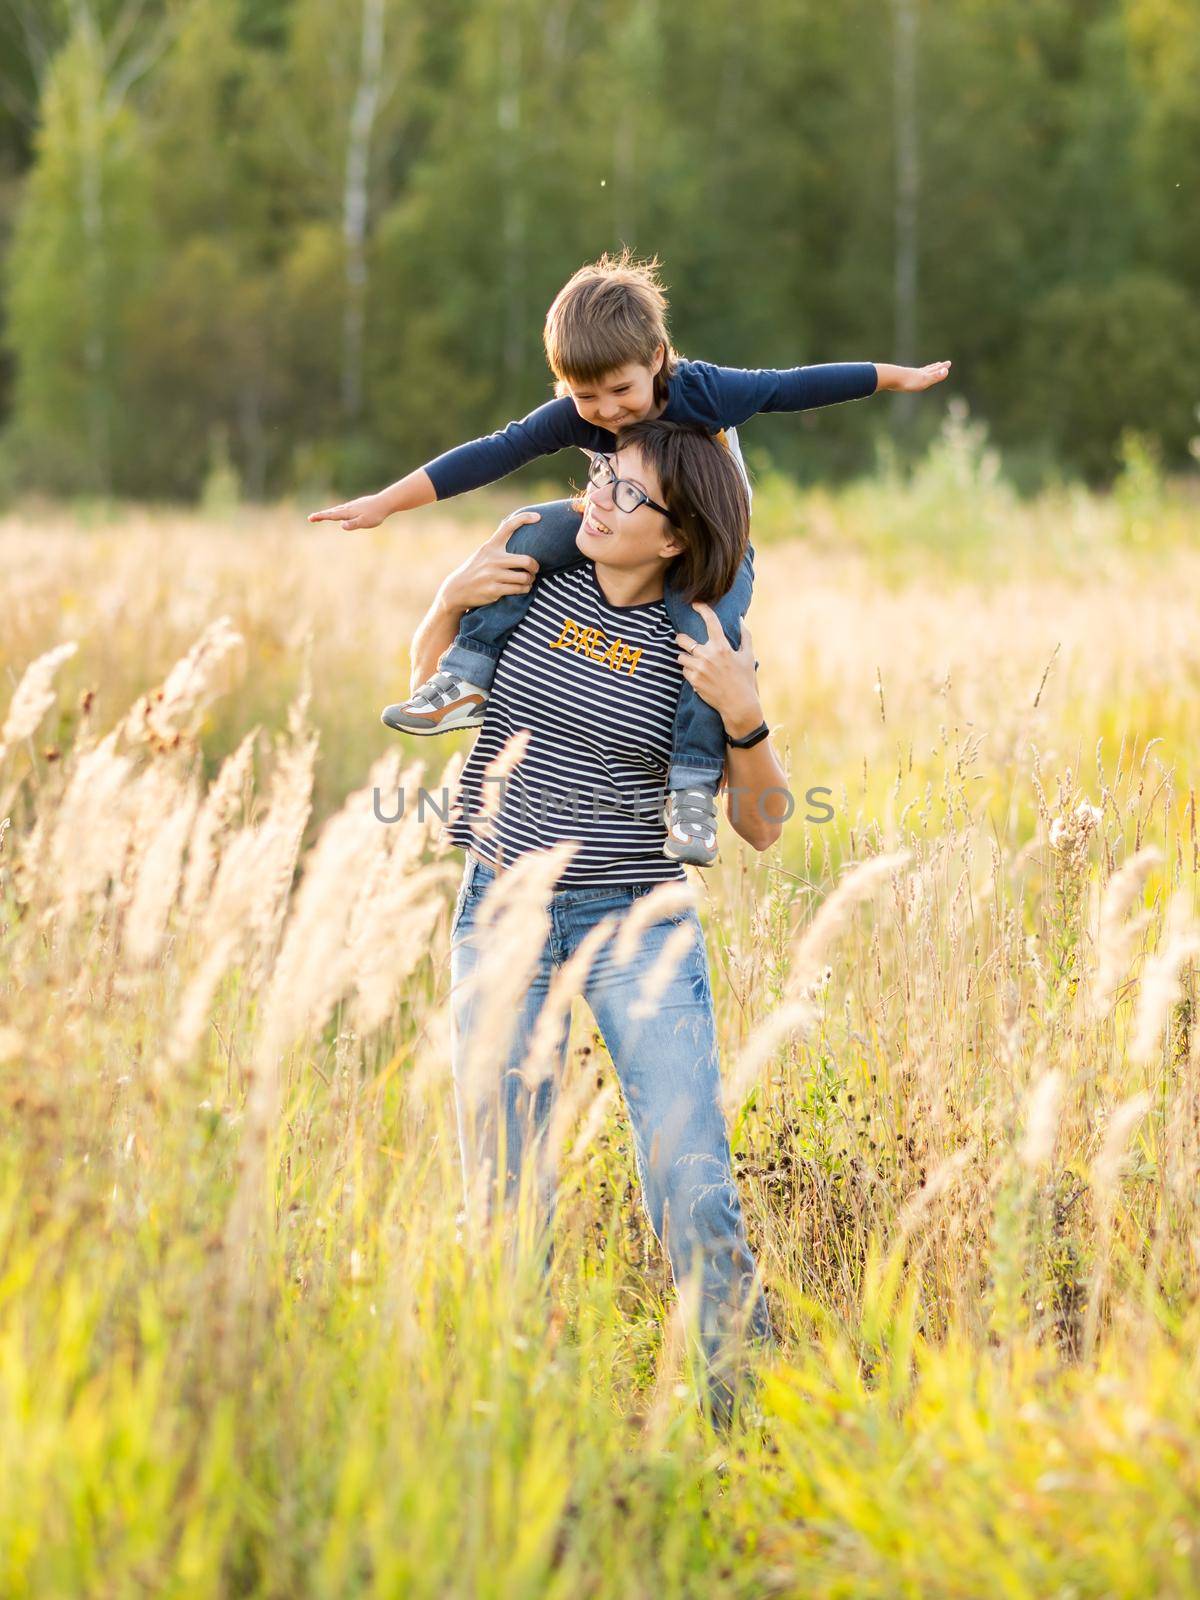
757 802
434 636
486 574
756 797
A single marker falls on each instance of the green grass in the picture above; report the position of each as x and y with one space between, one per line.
248 1346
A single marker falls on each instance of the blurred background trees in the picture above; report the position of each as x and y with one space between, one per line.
309 243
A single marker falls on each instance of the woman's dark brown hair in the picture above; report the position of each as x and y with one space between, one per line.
703 488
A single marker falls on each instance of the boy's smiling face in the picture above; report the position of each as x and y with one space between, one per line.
622 396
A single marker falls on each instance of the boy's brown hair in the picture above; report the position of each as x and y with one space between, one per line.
609 313
703 489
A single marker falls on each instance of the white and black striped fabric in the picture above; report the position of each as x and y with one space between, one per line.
597 686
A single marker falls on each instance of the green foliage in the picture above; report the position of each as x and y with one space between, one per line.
986 1308
85 246
344 258
1001 1478
1101 360
200 357
222 485
1140 490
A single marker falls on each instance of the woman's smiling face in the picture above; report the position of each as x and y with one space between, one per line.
615 538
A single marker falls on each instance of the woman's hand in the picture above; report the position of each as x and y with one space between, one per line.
722 676
492 570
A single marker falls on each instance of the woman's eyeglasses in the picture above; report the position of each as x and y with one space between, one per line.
626 496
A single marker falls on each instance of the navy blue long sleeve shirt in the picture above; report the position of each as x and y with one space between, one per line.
710 397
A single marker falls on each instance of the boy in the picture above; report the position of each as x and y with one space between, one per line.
607 344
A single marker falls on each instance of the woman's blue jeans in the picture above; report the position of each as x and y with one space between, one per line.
698 744
666 1060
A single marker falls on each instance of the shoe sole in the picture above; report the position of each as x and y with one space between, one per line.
687 850
688 854
407 722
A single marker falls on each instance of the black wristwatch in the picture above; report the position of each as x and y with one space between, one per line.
757 737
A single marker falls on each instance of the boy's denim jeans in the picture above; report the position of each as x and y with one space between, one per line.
698 746
667 1065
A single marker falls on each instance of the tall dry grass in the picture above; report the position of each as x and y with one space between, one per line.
248 1346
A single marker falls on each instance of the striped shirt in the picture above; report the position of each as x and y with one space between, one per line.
597 687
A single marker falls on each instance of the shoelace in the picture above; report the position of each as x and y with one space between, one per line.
693 810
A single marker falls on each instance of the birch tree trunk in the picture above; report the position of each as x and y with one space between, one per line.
907 181
513 240
356 202
95 262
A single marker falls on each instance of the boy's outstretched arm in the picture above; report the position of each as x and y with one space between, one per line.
369 510
550 428
728 396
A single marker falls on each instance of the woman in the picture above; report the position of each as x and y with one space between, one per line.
580 715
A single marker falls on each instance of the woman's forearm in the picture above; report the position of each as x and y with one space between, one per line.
435 634
756 800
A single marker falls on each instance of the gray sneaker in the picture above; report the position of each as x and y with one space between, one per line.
691 819
441 705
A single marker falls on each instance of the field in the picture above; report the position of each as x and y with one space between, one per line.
243 1347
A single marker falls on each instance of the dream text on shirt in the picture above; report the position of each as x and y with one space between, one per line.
596 686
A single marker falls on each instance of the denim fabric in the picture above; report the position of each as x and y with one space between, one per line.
667 1065
698 746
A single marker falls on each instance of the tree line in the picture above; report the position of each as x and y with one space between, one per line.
311 242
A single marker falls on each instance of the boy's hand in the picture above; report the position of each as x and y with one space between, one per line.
368 511
910 380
